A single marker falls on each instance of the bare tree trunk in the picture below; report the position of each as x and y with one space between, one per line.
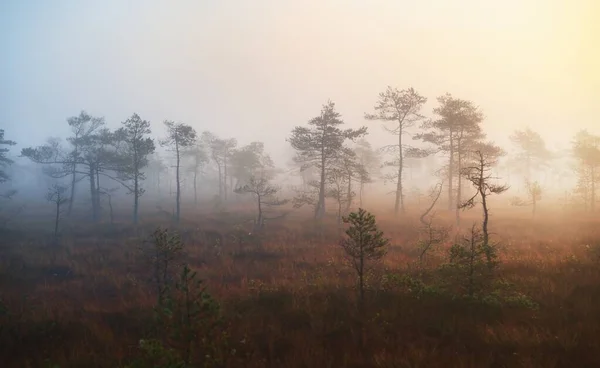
451 175
73 178
459 187
73 185
349 193
136 197
195 186
360 194
399 205
220 181
320 210
93 193
178 195
225 176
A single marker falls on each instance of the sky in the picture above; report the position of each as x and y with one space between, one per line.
255 69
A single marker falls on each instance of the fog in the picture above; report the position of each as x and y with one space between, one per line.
247 206
255 70
266 66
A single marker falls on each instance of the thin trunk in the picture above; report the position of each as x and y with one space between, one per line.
93 194
260 215
220 181
195 187
73 178
320 211
360 194
73 185
349 193
225 176
451 175
136 198
458 187
486 216
399 205
178 195
98 190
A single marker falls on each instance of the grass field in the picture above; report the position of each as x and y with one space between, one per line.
290 301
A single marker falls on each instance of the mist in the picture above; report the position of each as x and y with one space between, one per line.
247 143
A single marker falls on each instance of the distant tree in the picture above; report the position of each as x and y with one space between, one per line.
56 195
456 131
157 168
532 153
534 195
82 127
198 157
96 155
320 144
353 171
134 156
586 150
336 183
220 152
370 161
364 243
479 175
179 137
251 160
5 161
401 109
265 195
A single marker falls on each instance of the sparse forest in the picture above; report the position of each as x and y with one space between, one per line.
287 184
221 266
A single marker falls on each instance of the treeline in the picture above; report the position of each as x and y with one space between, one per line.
333 162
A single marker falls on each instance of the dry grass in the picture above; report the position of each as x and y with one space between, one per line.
291 302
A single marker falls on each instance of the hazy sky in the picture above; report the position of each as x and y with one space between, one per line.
255 69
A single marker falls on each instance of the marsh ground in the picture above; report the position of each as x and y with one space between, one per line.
291 302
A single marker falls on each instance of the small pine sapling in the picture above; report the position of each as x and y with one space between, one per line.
474 263
165 247
195 313
364 243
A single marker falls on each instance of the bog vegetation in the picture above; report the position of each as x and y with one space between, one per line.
196 256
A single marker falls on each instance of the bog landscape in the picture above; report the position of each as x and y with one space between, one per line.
437 217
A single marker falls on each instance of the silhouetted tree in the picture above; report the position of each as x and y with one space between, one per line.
251 160
364 243
336 181
532 153
82 127
96 154
534 195
134 156
370 161
456 131
319 145
5 162
179 137
56 195
265 195
479 175
402 110
198 157
586 149
220 152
